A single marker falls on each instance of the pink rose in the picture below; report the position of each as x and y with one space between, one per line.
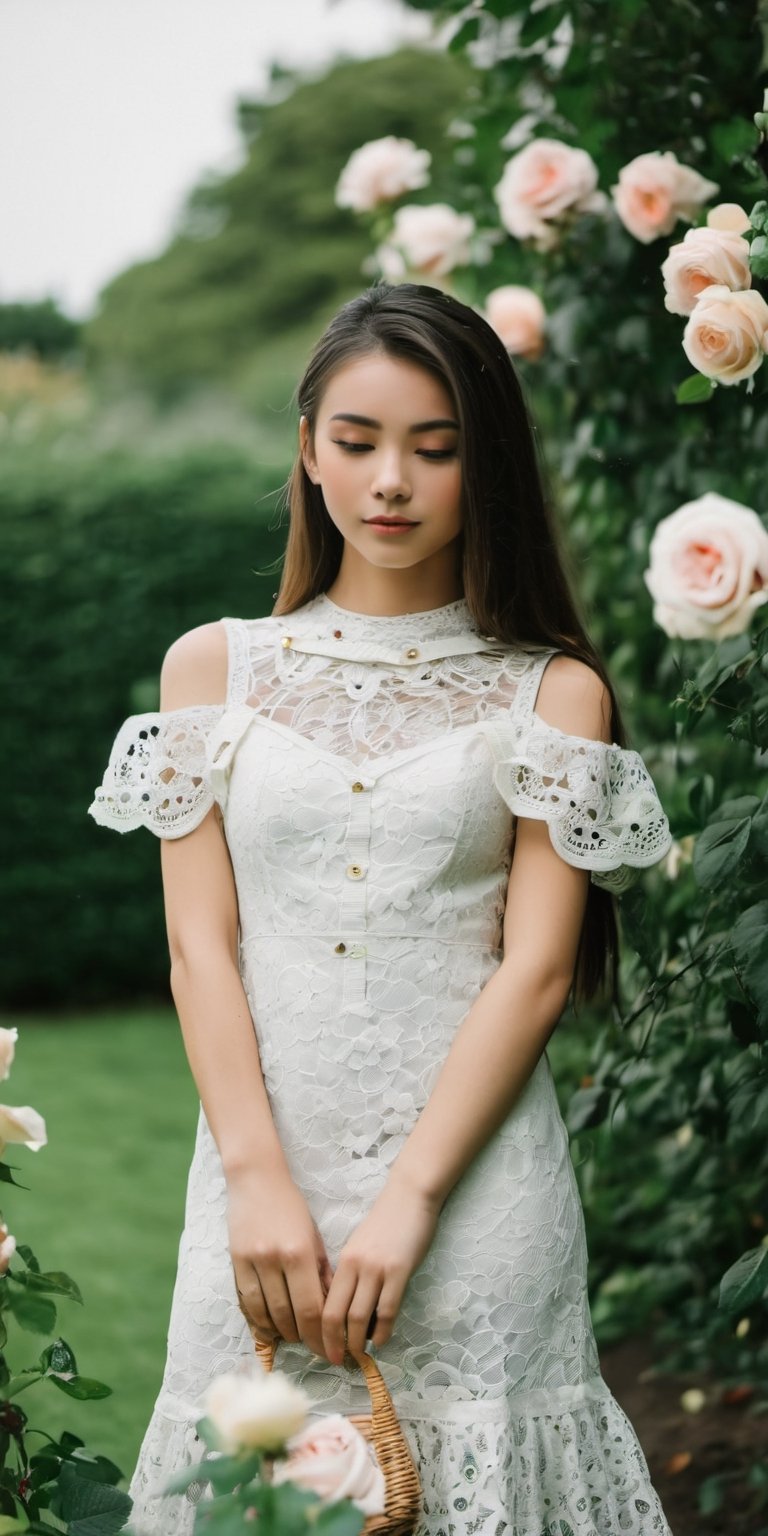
703 257
432 238
726 337
380 170
543 182
332 1459
517 316
708 568
655 190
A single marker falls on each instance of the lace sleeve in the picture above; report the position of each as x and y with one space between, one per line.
599 801
157 772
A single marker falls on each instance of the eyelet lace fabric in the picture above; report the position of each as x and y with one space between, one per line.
369 771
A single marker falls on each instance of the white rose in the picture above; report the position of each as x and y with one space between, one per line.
708 568
518 317
258 1412
655 190
331 1458
19 1123
729 216
380 170
8 1038
541 183
7 1248
704 257
726 337
433 238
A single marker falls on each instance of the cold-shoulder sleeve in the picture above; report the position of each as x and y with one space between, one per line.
599 801
157 775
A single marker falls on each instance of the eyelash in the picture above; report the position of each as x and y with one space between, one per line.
426 453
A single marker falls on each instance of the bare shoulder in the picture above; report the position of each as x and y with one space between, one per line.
194 669
574 698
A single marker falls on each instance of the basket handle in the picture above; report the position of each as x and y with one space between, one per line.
266 1354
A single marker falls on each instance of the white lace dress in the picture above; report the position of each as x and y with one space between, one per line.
370 771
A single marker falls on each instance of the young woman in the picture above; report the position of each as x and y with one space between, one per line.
395 813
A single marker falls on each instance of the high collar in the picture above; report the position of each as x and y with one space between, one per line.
322 627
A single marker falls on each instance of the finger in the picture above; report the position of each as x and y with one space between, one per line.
387 1308
307 1300
337 1302
360 1311
277 1297
253 1306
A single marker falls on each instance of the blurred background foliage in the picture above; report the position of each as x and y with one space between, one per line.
143 455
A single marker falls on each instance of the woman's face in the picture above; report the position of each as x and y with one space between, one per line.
386 447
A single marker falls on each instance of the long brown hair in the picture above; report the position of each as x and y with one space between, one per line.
517 578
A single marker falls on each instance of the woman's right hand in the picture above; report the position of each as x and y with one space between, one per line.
282 1271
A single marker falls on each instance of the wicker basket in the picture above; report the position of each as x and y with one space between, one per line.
402 1506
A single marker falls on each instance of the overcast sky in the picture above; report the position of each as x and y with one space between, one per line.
111 109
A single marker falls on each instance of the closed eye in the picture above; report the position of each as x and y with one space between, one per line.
424 453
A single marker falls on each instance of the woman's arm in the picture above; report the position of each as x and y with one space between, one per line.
281 1268
493 1053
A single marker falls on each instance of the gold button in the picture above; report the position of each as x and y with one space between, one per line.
340 949
412 653
357 786
286 641
354 871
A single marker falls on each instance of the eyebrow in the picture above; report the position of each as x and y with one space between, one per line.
420 426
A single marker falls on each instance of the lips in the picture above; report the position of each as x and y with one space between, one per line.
391 522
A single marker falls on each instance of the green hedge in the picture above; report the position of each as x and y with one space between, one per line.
102 564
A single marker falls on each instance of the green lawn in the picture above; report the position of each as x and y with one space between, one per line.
105 1203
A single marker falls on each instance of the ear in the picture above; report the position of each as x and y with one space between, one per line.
307 454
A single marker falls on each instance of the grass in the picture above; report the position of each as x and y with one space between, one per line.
105 1203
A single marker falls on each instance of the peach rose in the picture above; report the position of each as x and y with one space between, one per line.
726 337
655 190
332 1458
7 1248
708 569
541 183
705 256
432 238
517 316
8 1038
729 216
19 1123
380 170
257 1412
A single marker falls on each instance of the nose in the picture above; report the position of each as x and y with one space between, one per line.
390 479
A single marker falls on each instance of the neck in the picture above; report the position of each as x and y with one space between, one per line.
377 591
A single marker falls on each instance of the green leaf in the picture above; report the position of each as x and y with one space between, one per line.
54 1283
758 216
34 1313
88 1508
81 1387
749 938
718 851
9 1523
588 1106
98 1468
745 1282
24 1379
25 1252
6 1176
339 1520
58 1357
694 390
758 256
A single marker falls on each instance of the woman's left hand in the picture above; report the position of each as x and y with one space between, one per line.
374 1268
